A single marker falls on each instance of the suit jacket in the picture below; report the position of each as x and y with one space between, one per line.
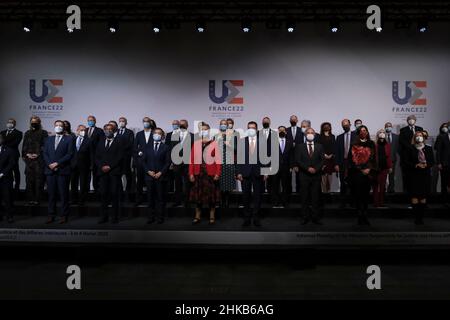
158 161
7 162
303 160
394 145
140 144
83 158
340 149
247 169
96 136
286 158
13 140
298 135
412 157
128 140
442 147
112 157
62 155
404 140
173 139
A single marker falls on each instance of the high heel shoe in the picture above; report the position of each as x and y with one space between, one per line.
196 221
212 221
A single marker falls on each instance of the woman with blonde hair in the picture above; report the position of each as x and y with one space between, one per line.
384 167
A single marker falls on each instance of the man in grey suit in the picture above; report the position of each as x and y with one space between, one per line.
392 138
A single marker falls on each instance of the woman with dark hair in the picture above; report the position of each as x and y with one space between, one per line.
328 141
419 161
68 129
384 167
204 173
362 163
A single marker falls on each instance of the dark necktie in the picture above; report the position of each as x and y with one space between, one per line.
108 144
156 146
310 150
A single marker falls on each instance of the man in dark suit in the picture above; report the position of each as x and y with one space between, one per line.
156 165
58 153
81 164
12 139
127 137
309 159
442 147
169 143
266 133
295 135
404 143
343 144
95 134
7 163
109 160
248 171
392 139
283 177
181 141
143 138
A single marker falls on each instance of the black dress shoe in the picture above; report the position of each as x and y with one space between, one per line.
151 220
246 223
103 220
50 220
256 223
304 221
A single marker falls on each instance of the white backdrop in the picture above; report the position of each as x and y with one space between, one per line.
312 73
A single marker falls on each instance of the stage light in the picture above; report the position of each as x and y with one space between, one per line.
378 29
422 26
156 27
113 26
290 26
27 25
200 27
334 26
246 26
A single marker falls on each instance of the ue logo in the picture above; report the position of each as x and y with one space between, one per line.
229 92
49 91
412 93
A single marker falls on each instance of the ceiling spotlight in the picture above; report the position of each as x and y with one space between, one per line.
378 29
69 30
246 26
156 27
290 26
200 27
334 26
113 26
27 25
422 26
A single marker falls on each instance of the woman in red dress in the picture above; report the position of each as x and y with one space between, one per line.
204 173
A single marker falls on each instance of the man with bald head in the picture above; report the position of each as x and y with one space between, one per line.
95 134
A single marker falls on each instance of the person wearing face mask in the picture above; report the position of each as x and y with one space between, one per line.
81 165
143 139
227 144
32 149
156 162
109 159
183 141
328 142
12 139
58 153
127 138
248 172
442 147
281 181
384 167
343 144
168 141
309 161
266 132
404 140
419 159
68 129
361 167
295 135
7 163
357 123
393 140
204 172
95 134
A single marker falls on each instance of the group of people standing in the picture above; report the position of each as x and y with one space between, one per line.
203 168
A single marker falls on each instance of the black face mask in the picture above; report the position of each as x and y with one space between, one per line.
266 125
35 126
183 126
282 134
346 128
293 123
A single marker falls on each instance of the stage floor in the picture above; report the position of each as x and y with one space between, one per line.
392 226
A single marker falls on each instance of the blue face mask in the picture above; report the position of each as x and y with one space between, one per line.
109 134
175 127
91 123
146 125
223 127
157 137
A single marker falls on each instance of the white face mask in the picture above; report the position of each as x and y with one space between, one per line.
251 132
9 126
419 139
58 129
388 129
411 122
304 129
122 124
382 135
157 137
444 129
310 137
204 133
82 133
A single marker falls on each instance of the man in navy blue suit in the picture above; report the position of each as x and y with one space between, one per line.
58 153
156 164
7 163
82 163
249 173
127 136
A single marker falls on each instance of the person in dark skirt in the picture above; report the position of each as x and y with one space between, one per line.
204 173
328 141
362 163
384 167
419 161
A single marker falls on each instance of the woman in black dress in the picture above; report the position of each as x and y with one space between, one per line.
362 164
419 160
328 141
